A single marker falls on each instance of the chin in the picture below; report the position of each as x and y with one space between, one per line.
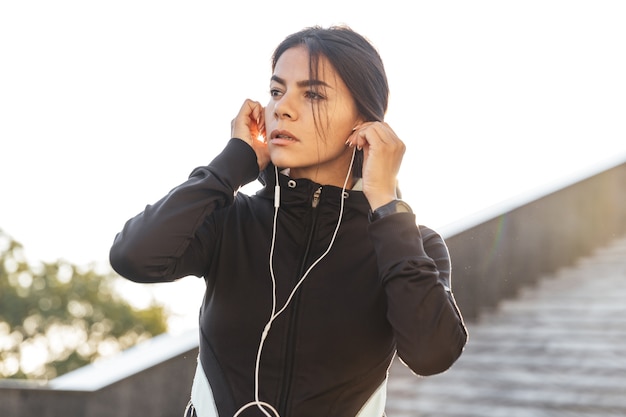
280 160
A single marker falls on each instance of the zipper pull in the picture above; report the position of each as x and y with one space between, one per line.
316 197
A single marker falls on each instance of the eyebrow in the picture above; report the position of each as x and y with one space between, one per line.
305 83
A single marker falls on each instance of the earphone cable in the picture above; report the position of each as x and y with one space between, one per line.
260 404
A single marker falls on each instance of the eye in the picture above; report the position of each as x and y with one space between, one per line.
275 92
313 95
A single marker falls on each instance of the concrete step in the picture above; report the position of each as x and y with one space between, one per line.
558 350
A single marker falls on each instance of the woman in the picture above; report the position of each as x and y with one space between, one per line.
314 283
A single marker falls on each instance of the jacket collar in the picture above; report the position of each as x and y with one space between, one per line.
300 191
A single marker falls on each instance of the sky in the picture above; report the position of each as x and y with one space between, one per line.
106 106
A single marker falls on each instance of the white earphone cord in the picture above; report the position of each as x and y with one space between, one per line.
261 404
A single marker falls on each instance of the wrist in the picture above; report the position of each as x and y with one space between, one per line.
380 200
392 207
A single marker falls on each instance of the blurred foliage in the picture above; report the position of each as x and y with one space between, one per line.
56 317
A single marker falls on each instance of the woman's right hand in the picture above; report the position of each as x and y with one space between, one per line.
249 126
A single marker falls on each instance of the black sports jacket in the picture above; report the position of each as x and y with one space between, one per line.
382 288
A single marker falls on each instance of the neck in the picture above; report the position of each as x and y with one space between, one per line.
329 174
323 178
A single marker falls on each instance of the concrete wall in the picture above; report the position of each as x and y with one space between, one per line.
160 391
508 248
494 254
151 379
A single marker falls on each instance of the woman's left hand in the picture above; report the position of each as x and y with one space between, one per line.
382 156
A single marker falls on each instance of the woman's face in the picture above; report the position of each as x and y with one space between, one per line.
309 120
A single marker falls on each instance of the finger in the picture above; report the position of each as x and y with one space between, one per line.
259 118
262 131
353 137
382 135
248 123
368 136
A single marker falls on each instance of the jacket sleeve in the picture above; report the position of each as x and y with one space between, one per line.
165 241
414 265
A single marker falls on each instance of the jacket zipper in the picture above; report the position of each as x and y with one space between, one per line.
285 391
314 203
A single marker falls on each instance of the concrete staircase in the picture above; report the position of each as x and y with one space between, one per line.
558 350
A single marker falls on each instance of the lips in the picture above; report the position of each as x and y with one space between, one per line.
282 137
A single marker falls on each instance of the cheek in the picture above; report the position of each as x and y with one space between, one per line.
342 127
269 110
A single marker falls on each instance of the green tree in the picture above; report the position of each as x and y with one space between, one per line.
56 317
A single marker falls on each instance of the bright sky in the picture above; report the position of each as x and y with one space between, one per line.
105 106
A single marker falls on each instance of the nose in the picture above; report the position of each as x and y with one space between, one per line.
284 108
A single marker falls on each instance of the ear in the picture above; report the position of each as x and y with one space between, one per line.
358 122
